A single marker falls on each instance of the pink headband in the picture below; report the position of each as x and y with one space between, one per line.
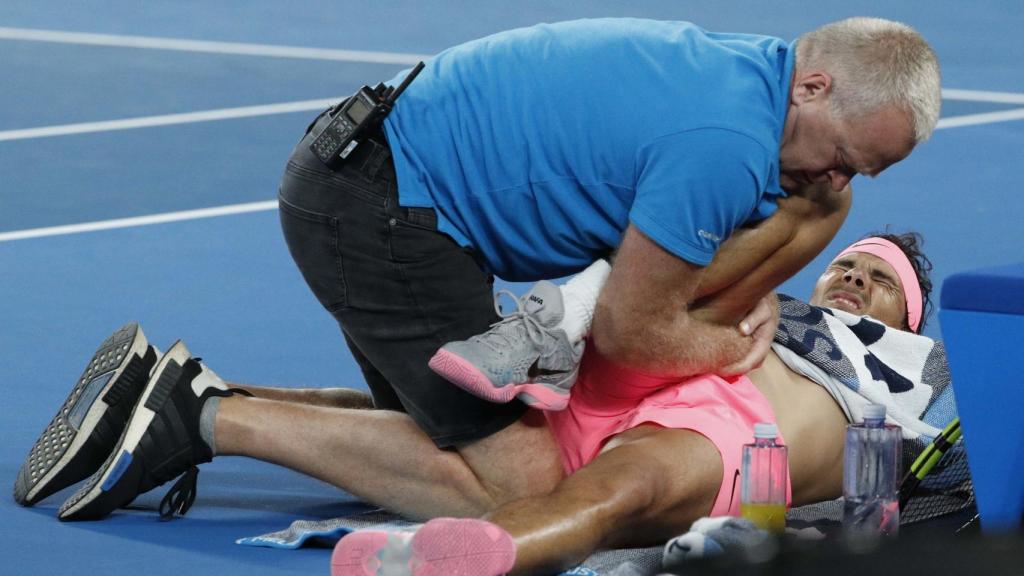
892 254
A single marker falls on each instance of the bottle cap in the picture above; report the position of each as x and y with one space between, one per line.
765 430
874 412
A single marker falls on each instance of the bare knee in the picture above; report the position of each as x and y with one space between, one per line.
658 482
614 492
517 462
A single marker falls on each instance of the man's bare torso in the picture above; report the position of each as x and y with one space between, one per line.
812 425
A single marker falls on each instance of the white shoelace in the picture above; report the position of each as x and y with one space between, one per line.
534 329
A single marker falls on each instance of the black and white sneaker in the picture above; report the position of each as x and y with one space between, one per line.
79 438
161 442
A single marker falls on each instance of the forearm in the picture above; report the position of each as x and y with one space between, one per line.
812 214
660 314
663 331
704 336
707 348
678 343
643 318
742 253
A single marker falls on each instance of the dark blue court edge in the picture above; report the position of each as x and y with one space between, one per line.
998 289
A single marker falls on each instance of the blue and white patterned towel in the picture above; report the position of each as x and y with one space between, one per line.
861 361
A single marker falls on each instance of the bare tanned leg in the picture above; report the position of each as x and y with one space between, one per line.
648 485
377 455
331 397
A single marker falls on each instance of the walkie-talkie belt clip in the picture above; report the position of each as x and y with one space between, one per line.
355 118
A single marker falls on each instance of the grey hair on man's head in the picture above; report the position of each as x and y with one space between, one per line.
876 63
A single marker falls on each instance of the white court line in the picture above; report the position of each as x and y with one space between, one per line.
307 105
184 45
954 122
982 96
139 220
985 118
287 107
167 119
301 52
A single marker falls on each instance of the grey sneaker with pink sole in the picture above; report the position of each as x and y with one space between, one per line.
522 356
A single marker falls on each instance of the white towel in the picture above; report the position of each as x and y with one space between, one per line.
862 361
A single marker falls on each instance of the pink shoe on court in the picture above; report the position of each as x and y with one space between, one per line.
441 547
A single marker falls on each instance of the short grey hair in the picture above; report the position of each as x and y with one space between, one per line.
876 63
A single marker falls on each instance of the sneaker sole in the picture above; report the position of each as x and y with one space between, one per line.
357 554
468 377
462 547
547 397
441 547
95 500
465 375
116 374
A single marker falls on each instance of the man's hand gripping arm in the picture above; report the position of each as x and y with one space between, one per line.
660 314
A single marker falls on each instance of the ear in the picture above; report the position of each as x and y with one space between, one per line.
810 86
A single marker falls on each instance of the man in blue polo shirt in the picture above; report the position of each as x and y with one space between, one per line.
589 125
531 153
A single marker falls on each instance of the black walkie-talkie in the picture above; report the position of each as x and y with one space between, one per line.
360 114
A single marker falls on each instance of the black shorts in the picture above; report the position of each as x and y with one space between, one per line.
397 286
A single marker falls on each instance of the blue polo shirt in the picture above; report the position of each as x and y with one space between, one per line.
538 146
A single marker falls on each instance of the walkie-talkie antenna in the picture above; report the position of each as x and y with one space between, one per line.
401 87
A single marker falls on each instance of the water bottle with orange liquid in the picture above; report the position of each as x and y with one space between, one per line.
765 476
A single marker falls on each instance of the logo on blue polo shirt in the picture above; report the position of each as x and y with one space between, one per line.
709 236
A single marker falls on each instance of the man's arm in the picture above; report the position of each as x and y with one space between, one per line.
754 261
642 315
661 314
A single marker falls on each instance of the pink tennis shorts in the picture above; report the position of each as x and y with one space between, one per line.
608 399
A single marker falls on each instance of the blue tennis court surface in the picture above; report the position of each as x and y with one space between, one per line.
123 110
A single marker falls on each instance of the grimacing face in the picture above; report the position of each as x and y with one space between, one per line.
817 147
865 285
